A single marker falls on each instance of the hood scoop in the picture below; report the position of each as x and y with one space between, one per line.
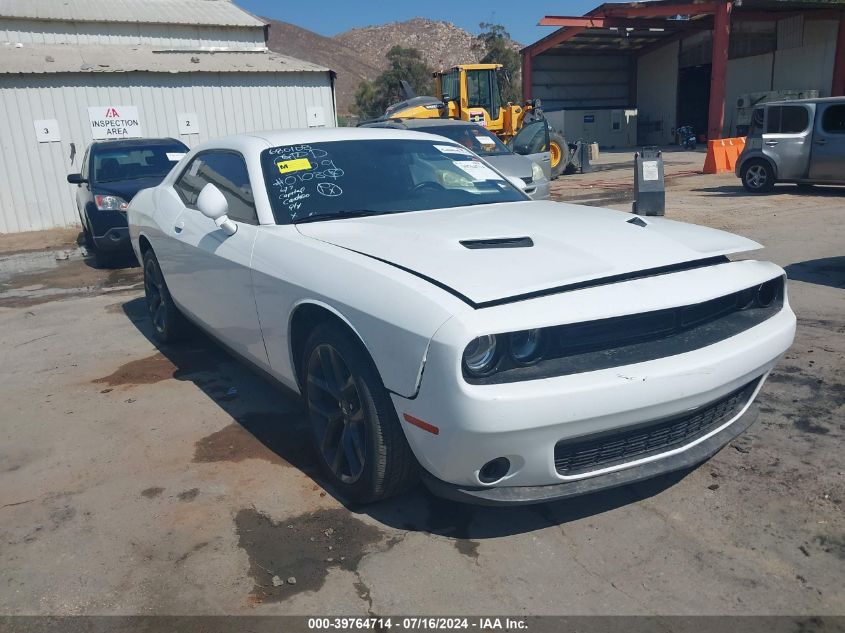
499 242
638 222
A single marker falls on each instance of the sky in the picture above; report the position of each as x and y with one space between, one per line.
330 17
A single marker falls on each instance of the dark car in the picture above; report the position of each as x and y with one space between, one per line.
112 173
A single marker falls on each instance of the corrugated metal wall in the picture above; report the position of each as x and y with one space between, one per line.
33 191
657 95
810 65
581 81
102 33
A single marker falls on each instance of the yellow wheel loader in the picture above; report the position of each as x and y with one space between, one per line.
470 92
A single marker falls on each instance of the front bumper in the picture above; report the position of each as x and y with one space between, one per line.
524 421
539 190
525 495
115 239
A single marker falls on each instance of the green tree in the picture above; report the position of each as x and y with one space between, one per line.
373 98
497 47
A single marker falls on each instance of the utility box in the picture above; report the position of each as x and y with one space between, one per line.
608 128
649 188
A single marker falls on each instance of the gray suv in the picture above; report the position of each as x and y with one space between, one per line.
794 141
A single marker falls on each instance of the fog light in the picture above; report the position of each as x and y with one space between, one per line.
494 470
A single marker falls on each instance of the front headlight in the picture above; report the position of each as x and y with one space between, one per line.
525 346
480 355
537 172
111 203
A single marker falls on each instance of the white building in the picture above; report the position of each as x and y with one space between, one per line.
188 69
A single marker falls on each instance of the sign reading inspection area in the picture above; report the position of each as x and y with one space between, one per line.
111 122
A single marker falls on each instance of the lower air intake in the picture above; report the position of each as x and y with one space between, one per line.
602 450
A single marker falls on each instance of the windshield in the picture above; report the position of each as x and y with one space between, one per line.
483 91
128 163
472 136
324 181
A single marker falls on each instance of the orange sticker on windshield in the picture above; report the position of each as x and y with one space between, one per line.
298 164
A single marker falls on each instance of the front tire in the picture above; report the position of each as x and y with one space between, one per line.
168 322
559 150
356 434
757 176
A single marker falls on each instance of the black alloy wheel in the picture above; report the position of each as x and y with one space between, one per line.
337 414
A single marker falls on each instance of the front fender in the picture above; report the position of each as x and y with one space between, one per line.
393 313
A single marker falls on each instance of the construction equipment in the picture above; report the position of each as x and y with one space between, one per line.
470 92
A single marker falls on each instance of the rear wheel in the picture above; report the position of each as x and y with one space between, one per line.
168 322
757 176
357 437
559 151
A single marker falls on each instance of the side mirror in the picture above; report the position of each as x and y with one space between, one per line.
75 179
519 183
213 204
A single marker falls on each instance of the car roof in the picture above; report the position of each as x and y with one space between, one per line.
279 138
135 142
412 124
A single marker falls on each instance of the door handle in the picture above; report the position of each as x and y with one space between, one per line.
771 143
821 141
178 228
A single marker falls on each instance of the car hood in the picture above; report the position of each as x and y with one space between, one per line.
126 189
571 244
511 165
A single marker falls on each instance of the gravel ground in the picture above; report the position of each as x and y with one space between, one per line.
146 480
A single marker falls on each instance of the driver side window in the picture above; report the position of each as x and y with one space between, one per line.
228 172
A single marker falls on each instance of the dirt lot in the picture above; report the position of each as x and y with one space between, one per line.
146 480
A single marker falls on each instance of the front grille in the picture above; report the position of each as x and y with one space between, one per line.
529 180
592 452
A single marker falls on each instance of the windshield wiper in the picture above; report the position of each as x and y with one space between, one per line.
358 213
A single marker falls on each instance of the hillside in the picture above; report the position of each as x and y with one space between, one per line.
441 44
359 54
351 68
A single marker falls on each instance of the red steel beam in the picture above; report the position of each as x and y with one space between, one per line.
663 10
837 88
620 23
719 69
558 37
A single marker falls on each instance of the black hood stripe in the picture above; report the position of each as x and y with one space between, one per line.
591 283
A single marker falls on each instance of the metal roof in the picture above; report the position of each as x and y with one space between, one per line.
199 12
68 58
621 27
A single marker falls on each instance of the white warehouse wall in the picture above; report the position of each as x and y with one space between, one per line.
809 66
126 33
657 93
745 75
34 193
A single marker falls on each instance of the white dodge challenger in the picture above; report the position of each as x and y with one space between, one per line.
440 324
